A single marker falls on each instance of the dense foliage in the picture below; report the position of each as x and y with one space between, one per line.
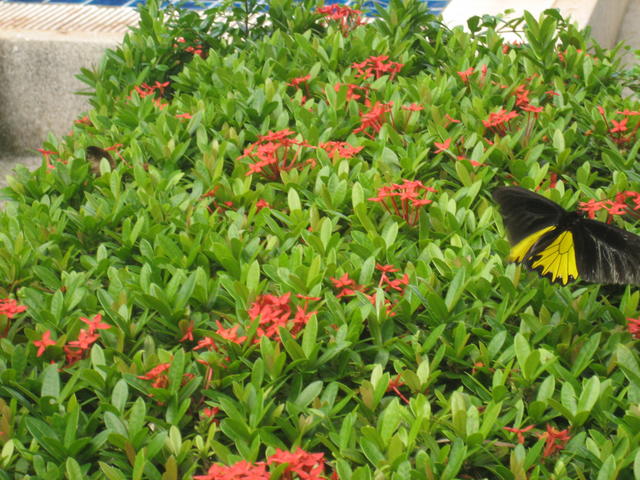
270 251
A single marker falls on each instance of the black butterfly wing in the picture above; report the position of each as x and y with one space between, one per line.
606 253
525 212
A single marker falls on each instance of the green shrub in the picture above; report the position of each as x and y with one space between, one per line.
271 247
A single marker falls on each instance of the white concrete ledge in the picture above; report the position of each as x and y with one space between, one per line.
42 49
603 16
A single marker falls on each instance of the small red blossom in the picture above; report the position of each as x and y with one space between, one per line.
551 93
296 82
230 334
465 74
620 126
404 199
261 203
373 119
241 470
274 312
342 149
498 121
441 147
188 334
276 152
346 17
188 116
555 440
377 66
591 207
206 342
44 342
10 308
95 323
351 90
307 466
519 432
633 326
394 385
414 107
160 379
450 120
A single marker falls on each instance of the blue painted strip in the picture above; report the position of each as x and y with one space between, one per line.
436 6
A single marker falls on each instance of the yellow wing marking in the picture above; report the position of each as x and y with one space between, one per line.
519 251
559 259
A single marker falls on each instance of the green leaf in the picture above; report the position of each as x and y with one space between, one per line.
50 382
74 472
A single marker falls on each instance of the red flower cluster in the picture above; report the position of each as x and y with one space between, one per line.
275 311
274 153
498 122
297 82
47 154
349 287
348 18
351 90
633 326
404 199
618 206
620 132
160 379
519 432
341 149
377 66
555 440
374 118
307 466
214 206
10 308
197 50
145 90
75 349
522 100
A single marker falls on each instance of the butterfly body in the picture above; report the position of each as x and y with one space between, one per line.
564 246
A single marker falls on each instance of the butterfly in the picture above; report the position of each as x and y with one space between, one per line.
564 246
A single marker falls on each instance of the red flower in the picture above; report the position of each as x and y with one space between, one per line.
464 75
241 470
591 207
414 107
85 339
274 153
207 342
377 66
10 308
620 126
342 149
555 440
404 200
298 80
184 115
519 432
374 118
441 147
230 334
274 312
633 326
44 342
160 379
308 466
95 323
347 17
497 122
394 385
260 204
